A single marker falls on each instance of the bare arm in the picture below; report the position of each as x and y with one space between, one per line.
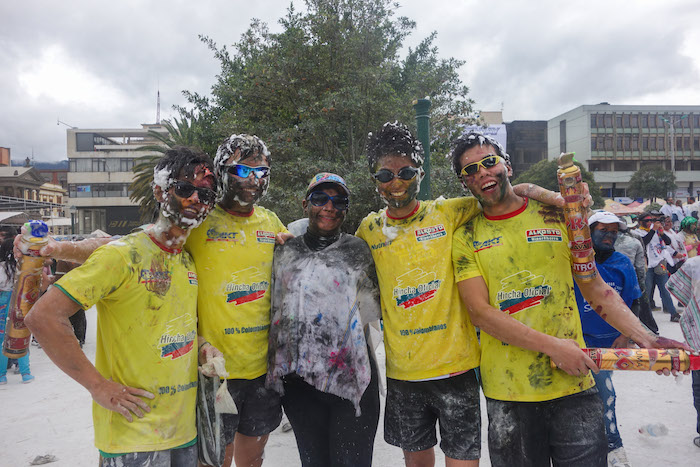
610 306
48 321
543 195
75 252
564 352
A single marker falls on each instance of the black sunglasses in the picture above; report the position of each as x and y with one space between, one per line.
185 189
319 198
243 171
405 173
487 162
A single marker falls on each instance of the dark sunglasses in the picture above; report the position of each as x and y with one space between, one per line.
185 189
405 173
319 198
487 162
243 171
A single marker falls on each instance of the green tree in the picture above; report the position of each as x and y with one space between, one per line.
314 90
652 182
544 174
183 132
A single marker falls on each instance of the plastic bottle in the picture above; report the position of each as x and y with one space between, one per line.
576 215
654 430
26 289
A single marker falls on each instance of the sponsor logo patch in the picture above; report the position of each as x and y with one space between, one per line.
543 235
430 233
246 286
486 244
263 236
408 296
214 235
192 276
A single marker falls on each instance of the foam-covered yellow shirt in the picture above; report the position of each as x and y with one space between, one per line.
233 254
427 331
525 261
146 301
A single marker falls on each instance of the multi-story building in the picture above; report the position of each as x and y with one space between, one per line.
614 141
100 172
527 143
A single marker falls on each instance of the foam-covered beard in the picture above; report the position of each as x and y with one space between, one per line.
412 190
233 190
172 208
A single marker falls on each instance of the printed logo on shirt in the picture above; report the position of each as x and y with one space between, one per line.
246 286
377 246
486 244
409 296
430 233
521 291
543 235
173 344
263 236
157 278
192 276
214 235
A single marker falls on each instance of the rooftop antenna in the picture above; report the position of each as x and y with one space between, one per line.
59 122
158 105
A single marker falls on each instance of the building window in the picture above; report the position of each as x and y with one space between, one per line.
608 121
608 143
84 142
626 166
562 136
634 121
594 123
618 143
652 143
595 166
645 121
696 144
634 143
618 121
645 143
653 121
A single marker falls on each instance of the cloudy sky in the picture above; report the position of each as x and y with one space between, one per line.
93 63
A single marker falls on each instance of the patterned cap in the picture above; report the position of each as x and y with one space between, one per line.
327 177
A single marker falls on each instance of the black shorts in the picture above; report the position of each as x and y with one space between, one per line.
412 408
259 409
568 430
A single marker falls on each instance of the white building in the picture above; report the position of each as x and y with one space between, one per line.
100 172
614 141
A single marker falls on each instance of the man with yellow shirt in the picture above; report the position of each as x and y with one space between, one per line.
431 346
232 250
145 289
513 270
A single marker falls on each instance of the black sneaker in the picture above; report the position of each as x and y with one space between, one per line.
675 318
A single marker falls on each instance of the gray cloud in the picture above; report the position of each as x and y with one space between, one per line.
538 60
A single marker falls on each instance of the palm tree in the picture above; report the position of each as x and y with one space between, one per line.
182 132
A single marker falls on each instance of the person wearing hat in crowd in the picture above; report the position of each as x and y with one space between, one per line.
689 228
618 272
659 256
324 295
630 245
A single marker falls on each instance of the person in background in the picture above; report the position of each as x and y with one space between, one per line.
689 228
618 272
8 269
631 246
324 295
678 214
78 320
679 255
667 209
690 207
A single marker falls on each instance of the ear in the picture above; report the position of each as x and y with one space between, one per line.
305 205
158 193
509 170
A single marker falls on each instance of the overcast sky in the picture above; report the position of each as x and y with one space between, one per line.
97 64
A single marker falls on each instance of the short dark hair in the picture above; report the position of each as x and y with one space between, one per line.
177 161
8 230
393 139
470 140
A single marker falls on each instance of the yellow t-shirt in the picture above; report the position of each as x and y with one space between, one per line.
233 255
146 338
427 332
525 261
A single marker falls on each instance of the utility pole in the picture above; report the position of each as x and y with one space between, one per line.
672 145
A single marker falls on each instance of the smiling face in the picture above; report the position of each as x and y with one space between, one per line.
244 192
398 193
490 186
325 221
189 210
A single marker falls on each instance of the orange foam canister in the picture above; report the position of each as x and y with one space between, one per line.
643 359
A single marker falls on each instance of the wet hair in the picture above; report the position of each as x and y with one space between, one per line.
247 144
176 162
393 139
470 140
7 257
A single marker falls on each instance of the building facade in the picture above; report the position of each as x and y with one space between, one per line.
527 143
100 172
614 141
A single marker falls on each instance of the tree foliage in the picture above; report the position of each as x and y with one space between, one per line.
651 182
544 174
314 90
